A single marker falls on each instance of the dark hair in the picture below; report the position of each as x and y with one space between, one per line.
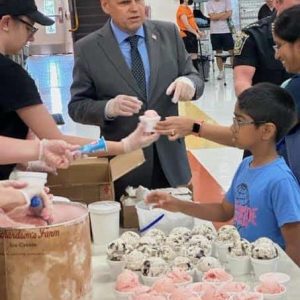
190 2
287 24
266 102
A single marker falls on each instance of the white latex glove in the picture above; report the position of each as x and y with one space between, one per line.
139 139
56 153
40 166
32 190
183 89
122 105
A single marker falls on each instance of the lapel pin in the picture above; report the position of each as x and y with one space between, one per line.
154 36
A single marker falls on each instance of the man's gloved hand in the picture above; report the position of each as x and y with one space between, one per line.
183 89
56 153
40 166
139 139
122 105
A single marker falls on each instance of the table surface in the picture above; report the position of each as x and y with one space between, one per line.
103 284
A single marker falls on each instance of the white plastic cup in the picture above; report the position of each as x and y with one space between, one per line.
116 267
279 277
222 250
105 220
149 122
239 265
32 178
261 266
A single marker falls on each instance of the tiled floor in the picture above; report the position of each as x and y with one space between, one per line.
213 165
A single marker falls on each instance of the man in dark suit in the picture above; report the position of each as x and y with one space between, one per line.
107 92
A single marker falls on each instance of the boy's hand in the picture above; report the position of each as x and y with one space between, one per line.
175 127
163 200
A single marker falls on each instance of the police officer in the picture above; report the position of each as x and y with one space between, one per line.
254 59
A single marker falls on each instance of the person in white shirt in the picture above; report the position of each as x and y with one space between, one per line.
219 12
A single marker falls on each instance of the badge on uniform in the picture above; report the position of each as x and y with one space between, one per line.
240 41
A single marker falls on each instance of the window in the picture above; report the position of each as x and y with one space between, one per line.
49 10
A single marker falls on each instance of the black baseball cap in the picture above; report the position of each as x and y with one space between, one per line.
24 8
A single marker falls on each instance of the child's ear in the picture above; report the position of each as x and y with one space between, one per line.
268 131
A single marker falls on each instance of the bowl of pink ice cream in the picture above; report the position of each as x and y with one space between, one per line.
184 294
217 275
179 277
127 284
271 290
279 277
149 120
233 287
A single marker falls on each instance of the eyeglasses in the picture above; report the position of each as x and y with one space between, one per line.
277 47
238 123
29 27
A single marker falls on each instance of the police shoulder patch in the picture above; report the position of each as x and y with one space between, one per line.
240 41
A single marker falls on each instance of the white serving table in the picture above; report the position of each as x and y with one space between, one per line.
103 284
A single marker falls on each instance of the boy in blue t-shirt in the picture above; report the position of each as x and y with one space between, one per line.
264 197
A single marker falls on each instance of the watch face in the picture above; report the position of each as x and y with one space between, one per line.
196 127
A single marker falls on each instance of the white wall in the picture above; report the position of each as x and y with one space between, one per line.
164 10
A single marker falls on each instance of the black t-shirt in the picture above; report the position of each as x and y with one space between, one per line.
17 90
254 47
265 11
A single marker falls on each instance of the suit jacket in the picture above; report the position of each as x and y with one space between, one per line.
101 73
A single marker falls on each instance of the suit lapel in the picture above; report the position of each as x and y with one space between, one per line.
111 49
153 45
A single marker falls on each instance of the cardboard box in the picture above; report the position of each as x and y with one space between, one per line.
129 217
91 179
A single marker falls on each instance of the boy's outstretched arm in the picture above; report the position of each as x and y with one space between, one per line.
291 235
219 212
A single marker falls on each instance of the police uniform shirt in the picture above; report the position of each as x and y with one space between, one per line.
254 47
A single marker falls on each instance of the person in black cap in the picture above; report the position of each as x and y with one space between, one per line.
27 9
21 106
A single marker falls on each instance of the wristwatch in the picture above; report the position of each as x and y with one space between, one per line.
196 128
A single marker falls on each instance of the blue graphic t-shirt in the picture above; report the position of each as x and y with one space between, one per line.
265 198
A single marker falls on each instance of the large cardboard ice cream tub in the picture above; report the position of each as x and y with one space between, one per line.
50 262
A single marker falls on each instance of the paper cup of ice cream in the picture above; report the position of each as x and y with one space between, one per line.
261 266
217 275
239 265
149 120
234 287
203 287
279 277
271 290
116 267
179 277
126 282
222 250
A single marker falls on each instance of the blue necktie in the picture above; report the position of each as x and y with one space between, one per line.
137 67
